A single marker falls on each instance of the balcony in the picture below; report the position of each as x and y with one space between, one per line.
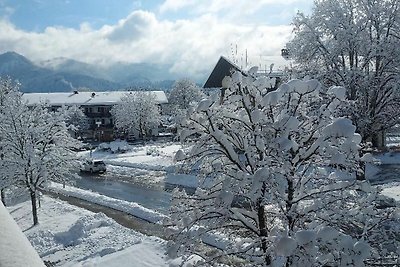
92 115
107 126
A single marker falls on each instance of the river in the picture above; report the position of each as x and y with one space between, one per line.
154 198
146 187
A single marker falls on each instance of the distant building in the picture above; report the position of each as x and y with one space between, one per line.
95 105
225 67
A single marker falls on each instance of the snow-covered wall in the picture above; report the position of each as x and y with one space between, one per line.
15 249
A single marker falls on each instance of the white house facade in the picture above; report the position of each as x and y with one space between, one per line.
95 105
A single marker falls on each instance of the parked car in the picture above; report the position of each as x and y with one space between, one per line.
93 166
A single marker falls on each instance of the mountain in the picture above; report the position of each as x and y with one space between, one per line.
66 65
64 75
124 73
35 78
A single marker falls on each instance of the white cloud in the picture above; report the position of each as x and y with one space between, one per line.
174 5
133 27
192 46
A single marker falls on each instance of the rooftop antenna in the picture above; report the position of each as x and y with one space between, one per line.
247 64
236 55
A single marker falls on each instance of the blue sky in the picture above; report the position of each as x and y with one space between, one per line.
36 15
188 34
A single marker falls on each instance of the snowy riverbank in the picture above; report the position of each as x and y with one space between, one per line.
72 236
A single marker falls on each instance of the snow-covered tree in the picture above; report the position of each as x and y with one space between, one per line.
137 113
37 145
277 183
183 94
8 90
354 43
76 119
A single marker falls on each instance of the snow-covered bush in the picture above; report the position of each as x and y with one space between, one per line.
153 151
117 146
278 179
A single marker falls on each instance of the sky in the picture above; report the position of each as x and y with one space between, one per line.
188 35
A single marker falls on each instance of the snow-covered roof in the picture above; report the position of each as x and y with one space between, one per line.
224 68
14 246
85 98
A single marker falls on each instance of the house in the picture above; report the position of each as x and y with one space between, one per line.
225 67
95 105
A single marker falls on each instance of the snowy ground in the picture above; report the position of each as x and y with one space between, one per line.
387 168
71 236
131 208
144 158
152 156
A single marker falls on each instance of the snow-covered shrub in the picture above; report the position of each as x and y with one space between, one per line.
153 151
277 178
117 146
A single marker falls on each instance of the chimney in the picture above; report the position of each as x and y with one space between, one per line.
93 94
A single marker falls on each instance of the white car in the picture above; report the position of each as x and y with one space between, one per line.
93 166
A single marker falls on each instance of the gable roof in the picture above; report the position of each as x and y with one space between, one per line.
224 67
85 98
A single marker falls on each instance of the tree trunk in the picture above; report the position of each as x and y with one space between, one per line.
360 174
3 196
34 207
289 202
263 230
377 140
262 224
